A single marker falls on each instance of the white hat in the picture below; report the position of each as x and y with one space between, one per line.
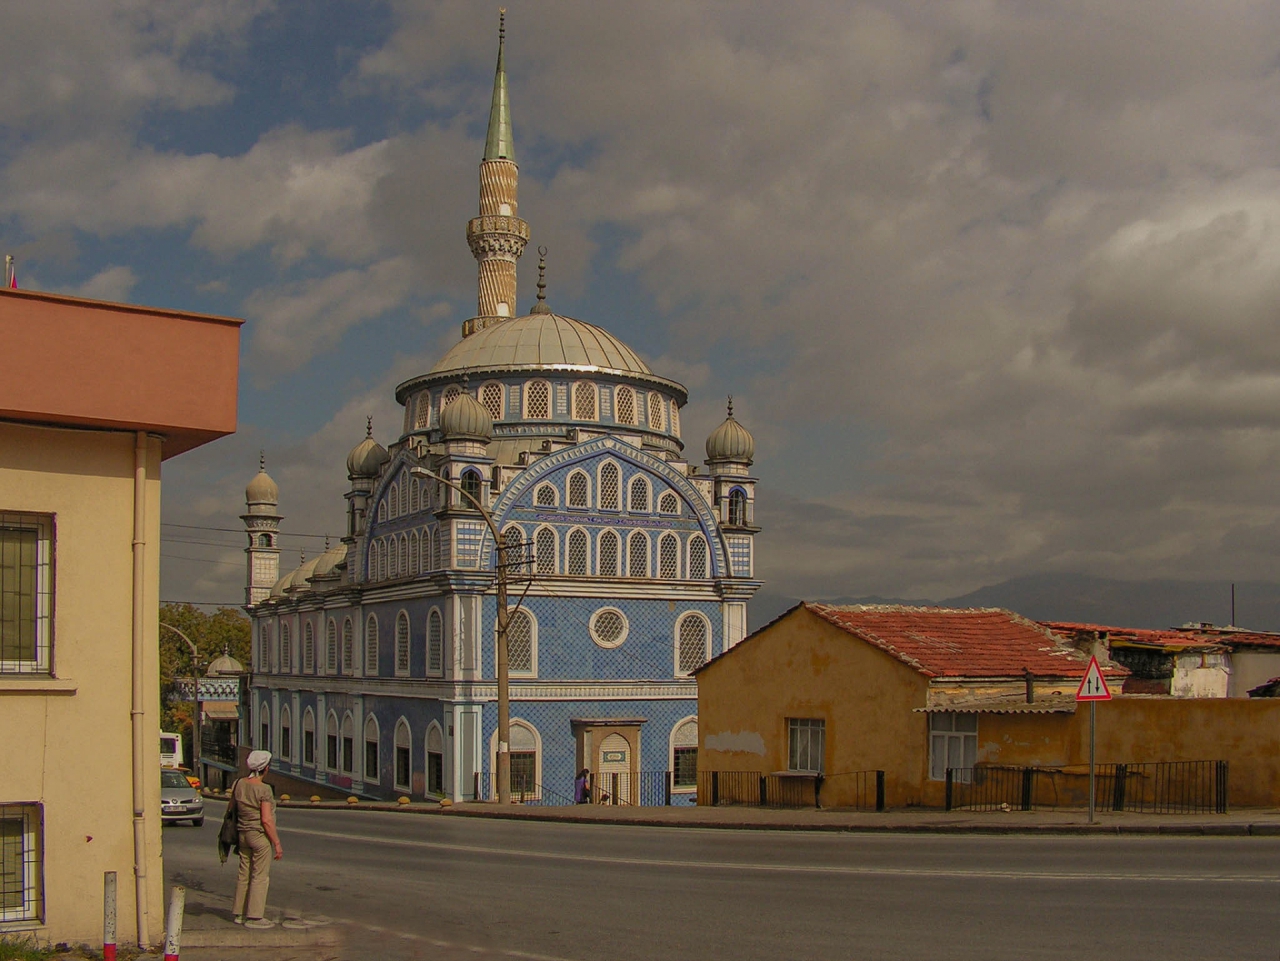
258 760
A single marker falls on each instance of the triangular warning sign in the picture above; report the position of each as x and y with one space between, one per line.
1093 687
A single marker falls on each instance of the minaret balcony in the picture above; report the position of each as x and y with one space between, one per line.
497 236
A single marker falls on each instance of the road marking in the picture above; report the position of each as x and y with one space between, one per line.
828 869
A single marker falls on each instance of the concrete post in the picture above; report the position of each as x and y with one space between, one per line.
173 931
109 916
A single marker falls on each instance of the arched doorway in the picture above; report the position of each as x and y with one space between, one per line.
615 759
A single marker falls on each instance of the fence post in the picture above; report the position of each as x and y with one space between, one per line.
949 780
879 790
667 791
1222 772
475 786
1028 782
817 790
764 791
109 916
715 788
1121 785
615 789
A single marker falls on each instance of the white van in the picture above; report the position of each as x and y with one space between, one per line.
170 750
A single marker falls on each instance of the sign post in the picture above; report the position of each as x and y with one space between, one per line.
1093 688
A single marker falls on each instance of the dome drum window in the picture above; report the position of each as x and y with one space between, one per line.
656 410
625 406
491 400
608 627
584 401
537 402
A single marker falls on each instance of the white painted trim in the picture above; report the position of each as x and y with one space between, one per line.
370 718
709 640
671 754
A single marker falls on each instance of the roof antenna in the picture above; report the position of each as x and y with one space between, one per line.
541 306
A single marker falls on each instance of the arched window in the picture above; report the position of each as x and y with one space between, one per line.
404 495
638 496
668 557
697 557
544 496
544 551
518 555
308 649
521 643
656 408
331 647
308 737
537 400
638 554
668 503
610 487
684 754
526 770
402 644
371 646
286 647
435 760
404 755
576 560
675 418
393 499
348 647
403 567
423 417
471 484
264 540
394 555
371 739
348 744
451 393
264 719
624 403
382 560
413 496
607 555
584 401
382 511
435 643
692 650
579 495
437 550
331 742
286 733
737 507
491 399
424 561
413 552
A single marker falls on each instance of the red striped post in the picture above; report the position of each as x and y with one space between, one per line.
109 916
173 931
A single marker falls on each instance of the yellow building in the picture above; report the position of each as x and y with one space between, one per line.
94 397
914 691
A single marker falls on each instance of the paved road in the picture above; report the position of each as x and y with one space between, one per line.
444 887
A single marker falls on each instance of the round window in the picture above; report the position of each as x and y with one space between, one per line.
608 627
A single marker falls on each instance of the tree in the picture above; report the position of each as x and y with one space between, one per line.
225 630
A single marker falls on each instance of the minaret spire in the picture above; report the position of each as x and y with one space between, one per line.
498 236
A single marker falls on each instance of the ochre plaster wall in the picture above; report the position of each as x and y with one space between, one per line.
71 749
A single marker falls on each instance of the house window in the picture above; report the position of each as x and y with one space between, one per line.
537 405
308 648
26 591
435 644
520 643
348 745
625 406
402 644
578 493
610 488
286 733
331 743
404 761
656 408
806 744
21 863
331 648
584 401
691 644
638 554
435 760
607 562
576 551
697 557
370 749
491 399
638 499
371 646
308 737
668 556
953 743
544 553
737 508
684 754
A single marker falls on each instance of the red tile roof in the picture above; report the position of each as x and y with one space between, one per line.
950 642
1171 640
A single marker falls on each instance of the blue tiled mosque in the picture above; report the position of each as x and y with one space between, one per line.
374 663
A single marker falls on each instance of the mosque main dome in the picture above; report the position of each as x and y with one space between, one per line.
541 341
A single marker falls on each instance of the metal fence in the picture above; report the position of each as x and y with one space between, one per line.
785 790
1162 787
618 788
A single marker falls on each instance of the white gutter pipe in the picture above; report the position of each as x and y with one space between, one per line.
136 709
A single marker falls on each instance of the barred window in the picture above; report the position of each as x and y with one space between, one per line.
610 488
584 401
638 498
404 755
382 560
544 496
286 647
520 642
675 418
423 418
348 744
684 754
404 495
491 399
578 493
382 511
393 500
424 563
517 553
435 644
668 503
625 405
537 404
413 552
471 484
691 644
638 554
697 557
403 567
737 507
371 646
668 557
656 408
308 737
402 643
437 550
576 554
348 647
26 591
21 862
331 648
371 748
451 393
544 555
308 648
608 627
413 496
806 744
607 563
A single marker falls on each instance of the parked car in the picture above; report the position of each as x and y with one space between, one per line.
179 801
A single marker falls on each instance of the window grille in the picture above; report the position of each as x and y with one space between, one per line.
348 745
402 643
265 715
576 561
348 647
286 647
423 419
953 742
382 511
403 567
393 500
638 554
308 649
668 503
413 496
524 772
370 749
371 646
404 496
608 560
21 862
675 418
638 498
584 401
608 627
545 551
668 557
435 760
331 743
697 557
451 393
26 593
435 644
544 496
625 403
538 400
806 747
382 560
655 411
424 562
394 556
437 550
331 648
286 733
491 398
520 642
404 761
413 552
737 508
308 737
578 494
692 643
610 486
684 755
471 484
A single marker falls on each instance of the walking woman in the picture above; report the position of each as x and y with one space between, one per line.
258 841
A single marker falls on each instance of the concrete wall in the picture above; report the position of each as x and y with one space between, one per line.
67 739
1251 668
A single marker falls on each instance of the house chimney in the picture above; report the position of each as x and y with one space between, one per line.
1030 680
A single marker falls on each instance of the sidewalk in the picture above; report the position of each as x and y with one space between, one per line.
207 925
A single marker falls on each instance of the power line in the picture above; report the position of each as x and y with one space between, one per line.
202 560
205 603
236 530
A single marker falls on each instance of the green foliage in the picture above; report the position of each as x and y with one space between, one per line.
24 949
225 630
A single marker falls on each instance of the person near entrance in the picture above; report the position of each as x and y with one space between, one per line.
258 841
582 787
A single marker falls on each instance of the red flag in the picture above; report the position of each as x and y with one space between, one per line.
13 281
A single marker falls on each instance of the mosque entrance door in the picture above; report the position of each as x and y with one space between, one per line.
614 770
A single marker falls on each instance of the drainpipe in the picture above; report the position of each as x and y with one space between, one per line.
136 713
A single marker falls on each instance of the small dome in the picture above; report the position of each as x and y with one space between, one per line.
731 441
224 664
329 560
466 417
367 457
262 489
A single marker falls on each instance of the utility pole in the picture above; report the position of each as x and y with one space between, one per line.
504 689
195 702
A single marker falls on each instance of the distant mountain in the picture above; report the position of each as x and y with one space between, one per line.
1097 600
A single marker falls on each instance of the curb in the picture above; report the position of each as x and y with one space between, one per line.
274 938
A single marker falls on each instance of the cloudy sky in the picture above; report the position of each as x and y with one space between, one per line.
996 286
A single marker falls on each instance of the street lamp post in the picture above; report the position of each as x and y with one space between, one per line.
504 690
195 702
